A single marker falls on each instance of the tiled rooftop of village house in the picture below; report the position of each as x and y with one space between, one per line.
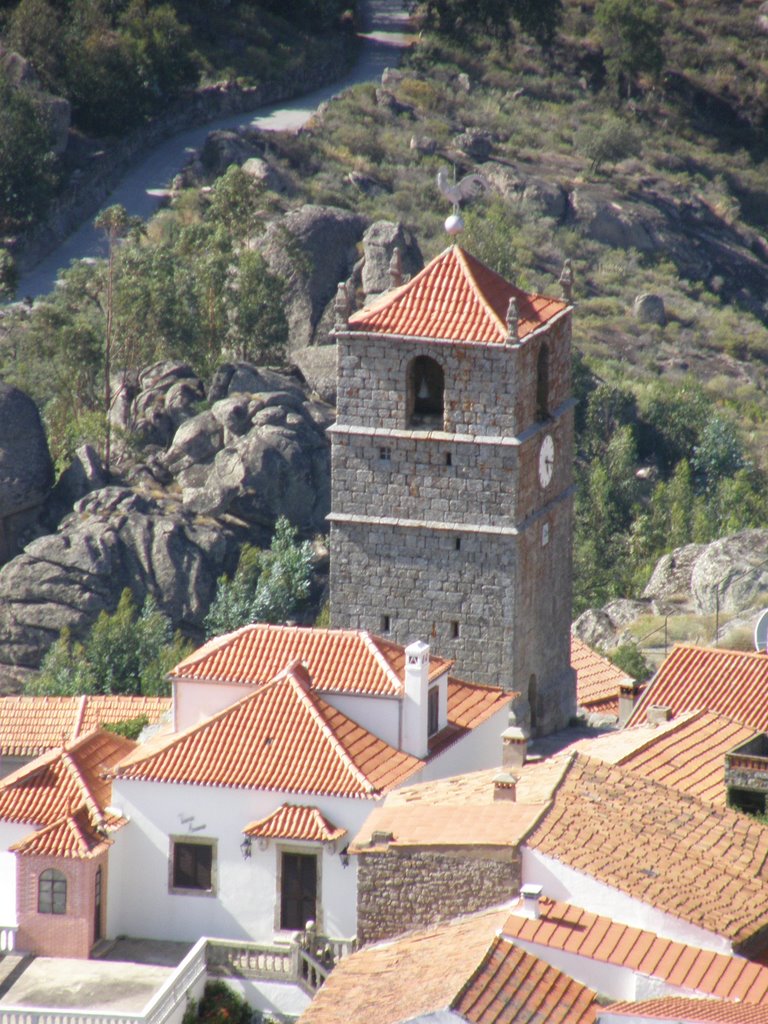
426 814
689 1011
460 965
597 679
339 660
282 736
291 822
563 926
72 837
732 683
455 297
690 757
31 725
47 789
703 864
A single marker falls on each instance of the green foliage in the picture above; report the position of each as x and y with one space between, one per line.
631 32
257 328
629 658
609 142
538 18
27 177
220 1004
127 652
269 586
130 728
9 276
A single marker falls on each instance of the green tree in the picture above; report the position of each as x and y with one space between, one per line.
34 30
609 142
127 652
9 276
631 33
269 586
495 17
257 328
630 659
719 453
27 175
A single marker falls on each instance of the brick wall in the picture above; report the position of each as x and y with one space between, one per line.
63 935
401 890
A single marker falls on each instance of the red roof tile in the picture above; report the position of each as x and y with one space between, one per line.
73 837
338 660
597 679
282 736
732 683
695 1011
456 298
44 791
690 756
460 965
563 926
512 986
31 725
700 863
292 822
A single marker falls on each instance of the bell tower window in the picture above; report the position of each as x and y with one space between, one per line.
426 387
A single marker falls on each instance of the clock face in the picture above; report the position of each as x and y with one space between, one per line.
546 460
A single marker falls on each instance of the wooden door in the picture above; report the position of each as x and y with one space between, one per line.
298 890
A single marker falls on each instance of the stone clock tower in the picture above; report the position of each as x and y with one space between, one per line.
452 478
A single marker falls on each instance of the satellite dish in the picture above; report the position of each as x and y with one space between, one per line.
761 632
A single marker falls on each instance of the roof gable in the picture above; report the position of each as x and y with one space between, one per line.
685 857
455 298
72 837
732 683
293 822
280 737
45 790
597 679
339 660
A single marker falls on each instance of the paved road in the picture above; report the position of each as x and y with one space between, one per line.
385 35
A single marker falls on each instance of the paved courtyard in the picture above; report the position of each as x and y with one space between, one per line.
124 980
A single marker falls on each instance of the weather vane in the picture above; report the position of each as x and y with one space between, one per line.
469 187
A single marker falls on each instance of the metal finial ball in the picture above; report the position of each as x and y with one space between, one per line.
454 224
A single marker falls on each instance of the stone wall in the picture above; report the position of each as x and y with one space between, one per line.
401 890
84 194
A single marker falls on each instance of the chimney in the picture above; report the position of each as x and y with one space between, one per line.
415 699
505 787
514 747
531 896
629 691
657 714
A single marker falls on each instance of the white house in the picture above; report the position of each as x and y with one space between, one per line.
285 738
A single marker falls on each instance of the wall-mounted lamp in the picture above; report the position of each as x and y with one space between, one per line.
245 847
344 857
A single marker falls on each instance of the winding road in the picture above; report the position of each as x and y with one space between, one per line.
384 37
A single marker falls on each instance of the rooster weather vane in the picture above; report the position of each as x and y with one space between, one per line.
468 187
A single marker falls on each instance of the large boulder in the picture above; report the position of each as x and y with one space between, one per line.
671 578
26 470
259 452
731 573
379 244
114 538
152 404
312 249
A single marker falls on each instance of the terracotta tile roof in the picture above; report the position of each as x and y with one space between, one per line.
695 1011
73 837
31 725
426 814
563 926
732 683
283 736
703 864
597 679
338 660
292 822
512 986
690 756
44 791
461 965
457 298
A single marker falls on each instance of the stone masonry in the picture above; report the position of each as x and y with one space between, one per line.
445 532
403 890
